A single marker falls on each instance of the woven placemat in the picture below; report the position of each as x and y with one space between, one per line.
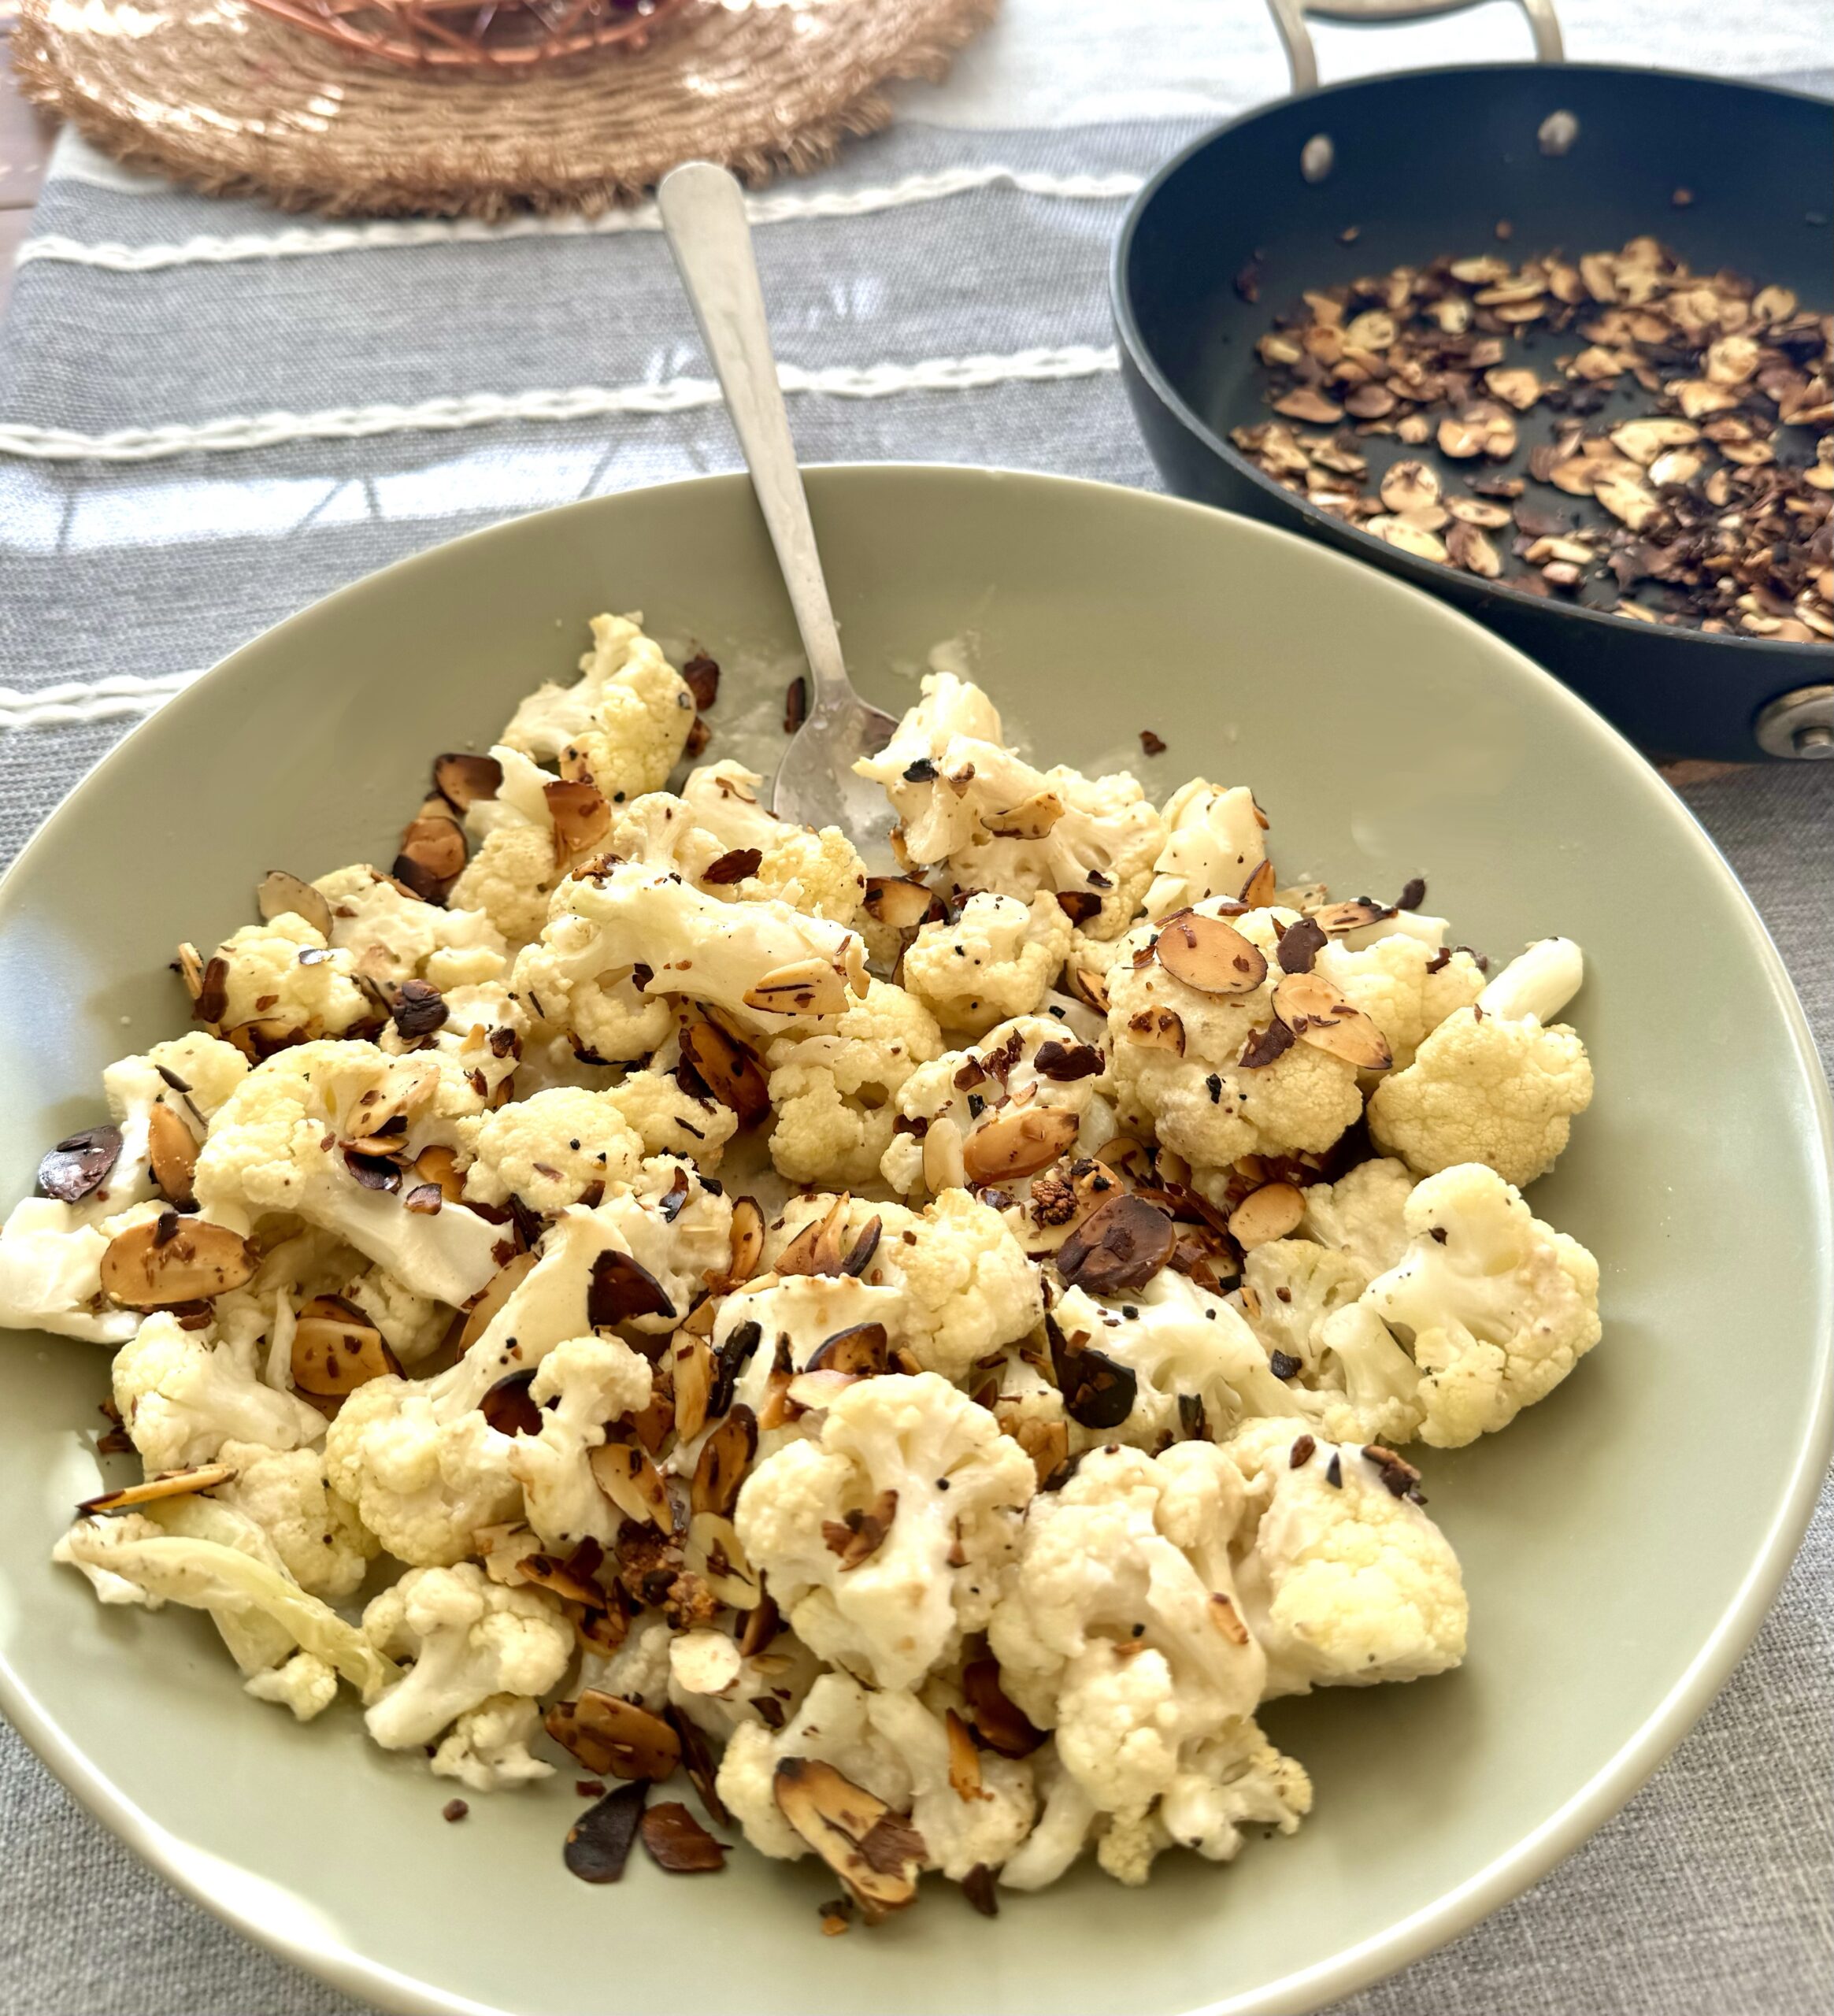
218 95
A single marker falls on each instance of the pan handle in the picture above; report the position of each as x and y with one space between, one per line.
1289 18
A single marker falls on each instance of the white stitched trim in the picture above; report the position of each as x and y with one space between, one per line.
309 241
75 701
876 381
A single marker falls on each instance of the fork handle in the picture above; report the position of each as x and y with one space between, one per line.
703 212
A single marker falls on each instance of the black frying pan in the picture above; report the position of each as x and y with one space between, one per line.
1428 164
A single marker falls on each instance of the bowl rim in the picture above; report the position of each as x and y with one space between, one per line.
1428 574
1506 1876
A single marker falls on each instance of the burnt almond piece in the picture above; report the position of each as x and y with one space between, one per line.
729 1360
1121 1244
1258 890
1079 905
737 865
863 1351
1209 955
80 1164
498 1290
902 902
626 1473
978 1887
562 1579
1300 944
858 1257
507 1407
1266 1046
1012 1145
622 1290
860 1534
876 1853
173 1260
1317 1013
1272 1212
613 1737
725 1459
712 1551
678 1843
599 1842
804 987
728 1069
278 893
701 676
432 853
1097 1391
1064 1063
697 1760
691 1362
581 817
462 780
817 1249
169 1483
997 1721
964 1759
333 1355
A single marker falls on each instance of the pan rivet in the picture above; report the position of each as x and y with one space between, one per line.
1800 724
1557 132
1316 158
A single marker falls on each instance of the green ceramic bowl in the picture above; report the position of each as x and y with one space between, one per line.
1621 1541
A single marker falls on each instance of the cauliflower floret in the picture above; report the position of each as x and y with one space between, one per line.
314 1529
819 873
1495 1307
834 1087
522 852
1362 1215
639 1670
996 960
959 1834
393 936
722 1690
183 1393
1344 1581
581 1387
1187 1076
1492 1083
304 1684
622 940
1231 1780
86 1546
51 1274
963 798
413 1326
623 725
957 1121
273 1148
263 979
1215 838
937 1481
192 1077
550 1150
422 1485
669 1120
1121 1629
470 1639
487 1749
1293 1286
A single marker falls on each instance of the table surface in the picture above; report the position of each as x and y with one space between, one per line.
211 414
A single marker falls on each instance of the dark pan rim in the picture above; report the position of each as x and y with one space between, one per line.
1425 573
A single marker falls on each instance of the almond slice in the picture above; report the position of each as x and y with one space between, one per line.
432 853
725 1459
1156 1028
580 815
509 1408
691 1364
497 1291
277 894
964 1759
902 902
1209 955
1121 1245
1338 920
1012 1145
173 1259
997 1721
863 1351
334 1353
729 1070
80 1164
614 1737
1032 819
172 1148
167 1484
462 780
875 1852
712 1551
627 1476
804 987
748 1241
623 1290
1317 1013
945 1165
1272 1212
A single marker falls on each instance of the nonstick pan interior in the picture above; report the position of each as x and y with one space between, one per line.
1565 158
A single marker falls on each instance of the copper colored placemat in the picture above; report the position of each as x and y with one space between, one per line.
217 94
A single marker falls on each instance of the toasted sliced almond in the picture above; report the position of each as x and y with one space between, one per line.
80 1164
1012 1145
1409 538
462 779
997 1721
1317 1013
562 1579
627 1475
508 1406
1467 547
333 1355
712 1551
748 1239
278 894
613 1737
1272 1212
174 1259
439 1167
1258 890
622 1290
691 1363
821 1246
677 1842
858 1536
863 1350
431 856
876 1853
964 1759
819 1388
1155 1028
1121 1245
172 1149
1478 511
498 1290
1032 819
902 902
1338 920
725 1457
1086 984
1642 440
1409 486
730 1070
1517 387
736 864
1309 404
805 987
1209 955
580 814
167 1484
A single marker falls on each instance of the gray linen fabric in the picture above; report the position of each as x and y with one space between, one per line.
1712 1891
